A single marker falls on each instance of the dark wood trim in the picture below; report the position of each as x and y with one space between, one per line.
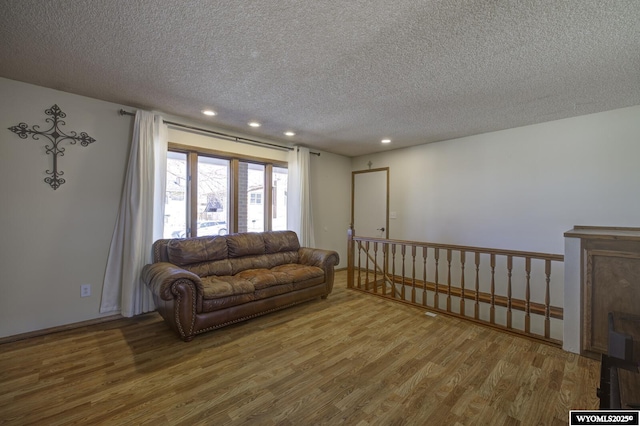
268 197
234 177
192 207
604 233
58 329
483 250
173 146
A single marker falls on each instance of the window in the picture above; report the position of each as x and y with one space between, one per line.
175 209
251 183
279 199
213 193
255 197
213 196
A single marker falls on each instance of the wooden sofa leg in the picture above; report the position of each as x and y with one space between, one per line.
324 297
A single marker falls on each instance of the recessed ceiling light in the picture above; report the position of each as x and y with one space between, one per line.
209 112
289 133
386 141
254 124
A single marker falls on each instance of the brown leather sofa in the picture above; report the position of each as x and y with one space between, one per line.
204 283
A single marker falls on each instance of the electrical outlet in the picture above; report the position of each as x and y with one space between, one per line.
85 290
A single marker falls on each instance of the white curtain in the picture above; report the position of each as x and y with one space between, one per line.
140 219
299 218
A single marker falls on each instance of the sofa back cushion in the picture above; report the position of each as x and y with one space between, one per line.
212 267
246 244
280 241
228 255
263 261
188 251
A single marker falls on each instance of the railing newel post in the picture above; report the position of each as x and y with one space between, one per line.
350 256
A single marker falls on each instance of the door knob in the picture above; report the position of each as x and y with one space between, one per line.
380 229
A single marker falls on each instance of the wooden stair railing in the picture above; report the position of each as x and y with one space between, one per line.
506 289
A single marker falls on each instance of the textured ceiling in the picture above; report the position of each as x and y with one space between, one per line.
341 74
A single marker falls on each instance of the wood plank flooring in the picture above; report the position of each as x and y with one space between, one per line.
351 359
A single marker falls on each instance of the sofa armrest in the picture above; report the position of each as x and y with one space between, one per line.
160 276
317 257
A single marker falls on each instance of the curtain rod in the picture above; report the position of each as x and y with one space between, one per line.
223 135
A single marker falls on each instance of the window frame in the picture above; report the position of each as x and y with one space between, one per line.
193 152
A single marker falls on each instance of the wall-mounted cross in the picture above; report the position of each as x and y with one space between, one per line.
56 136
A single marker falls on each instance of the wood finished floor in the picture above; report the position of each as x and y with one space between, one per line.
351 359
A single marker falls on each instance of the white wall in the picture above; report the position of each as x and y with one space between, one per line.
331 203
521 189
54 241
517 189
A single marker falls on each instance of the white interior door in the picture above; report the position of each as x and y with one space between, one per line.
370 203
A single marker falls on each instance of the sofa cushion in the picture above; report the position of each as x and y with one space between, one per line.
214 267
280 241
296 272
245 244
210 305
262 278
194 250
215 287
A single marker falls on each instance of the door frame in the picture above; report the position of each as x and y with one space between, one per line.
353 189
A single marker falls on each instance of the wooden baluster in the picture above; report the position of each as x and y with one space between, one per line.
492 310
393 270
436 254
527 296
366 272
476 313
359 264
463 256
385 266
509 269
350 254
413 274
404 251
375 266
424 276
547 300
448 280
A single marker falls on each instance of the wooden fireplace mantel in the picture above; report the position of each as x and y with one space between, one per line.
610 279
604 233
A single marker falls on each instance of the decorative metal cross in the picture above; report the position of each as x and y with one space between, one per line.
55 135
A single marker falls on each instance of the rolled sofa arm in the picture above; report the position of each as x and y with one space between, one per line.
325 259
317 257
160 276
